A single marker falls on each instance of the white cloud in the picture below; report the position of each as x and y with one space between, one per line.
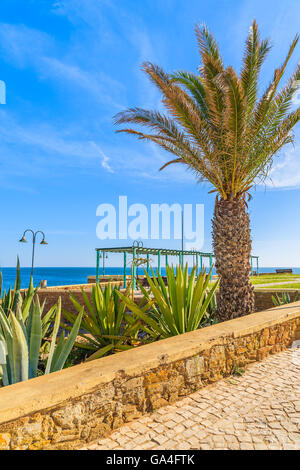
104 15
28 47
104 158
285 173
21 45
98 83
89 11
47 146
77 146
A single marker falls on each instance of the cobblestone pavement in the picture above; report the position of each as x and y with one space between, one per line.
260 410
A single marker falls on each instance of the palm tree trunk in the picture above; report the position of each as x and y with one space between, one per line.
232 248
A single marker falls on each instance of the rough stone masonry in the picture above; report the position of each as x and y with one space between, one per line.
86 402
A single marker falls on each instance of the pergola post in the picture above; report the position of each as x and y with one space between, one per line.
134 269
148 263
97 268
167 261
257 265
251 261
103 270
210 265
159 268
197 264
180 259
124 275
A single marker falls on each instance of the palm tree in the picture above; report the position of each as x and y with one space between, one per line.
227 135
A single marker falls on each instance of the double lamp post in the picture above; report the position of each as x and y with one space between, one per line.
34 235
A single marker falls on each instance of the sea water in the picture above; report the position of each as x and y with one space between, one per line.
70 276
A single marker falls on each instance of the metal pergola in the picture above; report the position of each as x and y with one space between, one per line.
138 249
251 259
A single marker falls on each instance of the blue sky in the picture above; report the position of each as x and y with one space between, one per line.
69 66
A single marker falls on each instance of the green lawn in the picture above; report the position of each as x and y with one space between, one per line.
279 286
270 279
274 278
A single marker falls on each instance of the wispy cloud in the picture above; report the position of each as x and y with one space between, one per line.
104 158
285 173
42 141
104 15
103 87
15 187
78 68
22 46
89 11
28 47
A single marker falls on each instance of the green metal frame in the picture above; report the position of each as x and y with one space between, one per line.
138 249
257 268
124 275
97 267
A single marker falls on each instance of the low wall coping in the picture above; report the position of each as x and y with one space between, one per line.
48 391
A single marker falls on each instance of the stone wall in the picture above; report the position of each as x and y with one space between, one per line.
86 402
51 295
263 297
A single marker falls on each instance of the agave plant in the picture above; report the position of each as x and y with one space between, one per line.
219 125
24 300
284 299
177 308
21 338
11 298
106 327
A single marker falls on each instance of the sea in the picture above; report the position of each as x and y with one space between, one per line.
70 275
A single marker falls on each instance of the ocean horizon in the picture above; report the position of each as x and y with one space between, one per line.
59 276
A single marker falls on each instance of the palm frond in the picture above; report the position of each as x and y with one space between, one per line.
215 124
255 54
194 85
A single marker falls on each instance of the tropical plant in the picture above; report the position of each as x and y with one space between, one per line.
21 339
211 313
11 298
24 300
106 327
284 299
177 308
227 134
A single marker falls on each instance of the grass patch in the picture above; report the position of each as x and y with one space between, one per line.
276 278
257 280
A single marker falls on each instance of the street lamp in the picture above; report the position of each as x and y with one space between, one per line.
34 234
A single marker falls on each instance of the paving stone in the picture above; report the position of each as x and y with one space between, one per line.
160 439
260 446
260 411
205 447
170 445
247 446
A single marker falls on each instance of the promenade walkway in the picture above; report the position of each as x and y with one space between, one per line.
259 410
279 283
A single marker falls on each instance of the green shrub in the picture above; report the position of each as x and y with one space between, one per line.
284 299
11 298
106 326
185 304
23 329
